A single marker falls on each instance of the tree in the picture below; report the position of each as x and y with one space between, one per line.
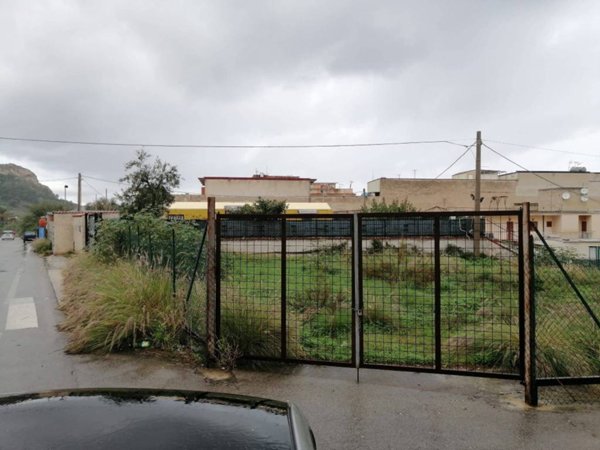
150 185
103 204
395 206
29 222
264 206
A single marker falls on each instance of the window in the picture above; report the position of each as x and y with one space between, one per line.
548 224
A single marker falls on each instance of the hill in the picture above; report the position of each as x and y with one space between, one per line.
20 188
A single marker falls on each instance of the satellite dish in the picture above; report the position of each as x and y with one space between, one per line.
584 199
584 191
566 196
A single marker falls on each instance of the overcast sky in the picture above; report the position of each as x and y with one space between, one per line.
294 73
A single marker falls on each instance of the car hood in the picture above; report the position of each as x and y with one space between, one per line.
134 418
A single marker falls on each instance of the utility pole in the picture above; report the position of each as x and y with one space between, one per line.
78 192
477 219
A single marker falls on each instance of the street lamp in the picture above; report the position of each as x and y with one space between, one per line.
66 186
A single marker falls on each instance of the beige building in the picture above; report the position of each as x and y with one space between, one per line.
71 231
290 188
564 205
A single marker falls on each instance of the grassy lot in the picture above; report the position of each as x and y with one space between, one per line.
479 309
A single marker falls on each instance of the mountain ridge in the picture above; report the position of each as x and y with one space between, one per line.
20 188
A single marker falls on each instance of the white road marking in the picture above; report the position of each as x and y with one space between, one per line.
13 286
21 314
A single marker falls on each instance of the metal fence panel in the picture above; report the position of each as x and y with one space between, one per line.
567 329
287 292
430 303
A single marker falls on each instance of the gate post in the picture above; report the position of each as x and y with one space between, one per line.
531 391
211 280
357 292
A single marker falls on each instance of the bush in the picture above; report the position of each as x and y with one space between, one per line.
42 246
379 315
150 239
128 304
376 246
251 332
382 270
317 297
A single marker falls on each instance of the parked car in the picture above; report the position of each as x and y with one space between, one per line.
7 235
29 236
134 418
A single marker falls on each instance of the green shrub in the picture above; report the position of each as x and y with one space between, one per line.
149 239
331 325
381 316
252 332
320 296
382 270
376 246
42 246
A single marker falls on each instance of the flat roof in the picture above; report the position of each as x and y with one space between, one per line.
222 205
260 178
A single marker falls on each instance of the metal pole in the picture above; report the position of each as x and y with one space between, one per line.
531 392
283 289
356 250
438 294
173 262
78 192
211 277
477 222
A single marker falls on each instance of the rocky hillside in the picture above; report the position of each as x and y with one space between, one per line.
20 188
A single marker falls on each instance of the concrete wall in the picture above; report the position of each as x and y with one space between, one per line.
79 232
62 235
68 230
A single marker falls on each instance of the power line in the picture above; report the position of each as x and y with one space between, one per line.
544 148
139 145
57 179
532 172
88 183
522 167
455 161
102 179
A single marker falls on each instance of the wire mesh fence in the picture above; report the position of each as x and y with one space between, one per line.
567 327
436 298
168 249
285 287
428 299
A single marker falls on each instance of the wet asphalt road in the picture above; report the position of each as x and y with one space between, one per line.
387 410
30 347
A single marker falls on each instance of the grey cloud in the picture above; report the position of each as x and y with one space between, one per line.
297 72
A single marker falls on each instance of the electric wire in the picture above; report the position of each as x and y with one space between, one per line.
141 145
543 148
522 167
90 185
533 172
57 179
455 161
102 179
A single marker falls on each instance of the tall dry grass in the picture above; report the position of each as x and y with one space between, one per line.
112 307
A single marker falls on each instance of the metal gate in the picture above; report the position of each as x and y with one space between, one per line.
406 291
